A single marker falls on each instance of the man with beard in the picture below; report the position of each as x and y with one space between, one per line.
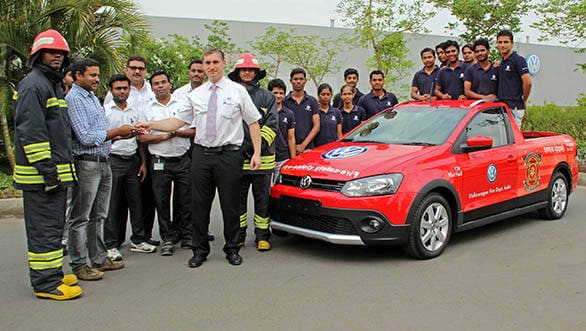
128 170
378 99
450 83
481 78
44 165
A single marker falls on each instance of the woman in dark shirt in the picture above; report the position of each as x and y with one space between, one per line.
352 115
330 118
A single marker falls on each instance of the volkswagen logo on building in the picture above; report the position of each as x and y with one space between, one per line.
344 152
491 173
533 64
305 182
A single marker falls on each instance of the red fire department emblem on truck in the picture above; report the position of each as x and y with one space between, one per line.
532 180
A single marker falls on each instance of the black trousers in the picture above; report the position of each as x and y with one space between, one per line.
125 196
261 185
44 218
178 173
221 170
148 198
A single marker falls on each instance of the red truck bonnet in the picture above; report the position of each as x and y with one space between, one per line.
342 161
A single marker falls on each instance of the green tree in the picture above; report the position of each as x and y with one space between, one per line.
380 25
272 47
94 28
219 36
174 52
485 18
171 54
315 54
564 20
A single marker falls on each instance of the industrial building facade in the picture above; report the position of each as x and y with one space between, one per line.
556 78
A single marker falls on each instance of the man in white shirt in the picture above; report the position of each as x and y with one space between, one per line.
141 96
128 170
170 164
217 110
196 78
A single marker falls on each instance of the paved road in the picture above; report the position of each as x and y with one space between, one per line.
520 274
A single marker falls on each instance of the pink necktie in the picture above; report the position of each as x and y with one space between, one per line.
211 115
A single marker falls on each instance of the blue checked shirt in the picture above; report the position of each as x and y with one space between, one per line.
88 121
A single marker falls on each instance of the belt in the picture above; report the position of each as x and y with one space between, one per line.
170 159
123 157
219 149
93 158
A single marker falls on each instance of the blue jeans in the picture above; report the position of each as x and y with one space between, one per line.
91 201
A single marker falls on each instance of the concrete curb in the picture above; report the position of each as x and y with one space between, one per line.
12 208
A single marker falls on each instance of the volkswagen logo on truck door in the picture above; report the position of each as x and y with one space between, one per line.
305 182
491 173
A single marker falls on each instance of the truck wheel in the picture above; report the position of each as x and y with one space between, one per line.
557 198
431 227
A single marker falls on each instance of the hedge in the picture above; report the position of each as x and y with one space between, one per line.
568 120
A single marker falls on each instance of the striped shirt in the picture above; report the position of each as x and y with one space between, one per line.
88 121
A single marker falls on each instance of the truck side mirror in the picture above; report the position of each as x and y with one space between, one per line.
477 143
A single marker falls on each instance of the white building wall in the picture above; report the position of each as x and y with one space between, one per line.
558 80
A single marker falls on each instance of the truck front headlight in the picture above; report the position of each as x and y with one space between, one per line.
371 186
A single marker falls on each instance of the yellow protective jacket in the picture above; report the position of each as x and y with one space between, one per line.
267 108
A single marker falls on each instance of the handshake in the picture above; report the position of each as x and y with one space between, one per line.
129 131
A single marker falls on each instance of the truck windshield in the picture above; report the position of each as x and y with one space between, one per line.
422 126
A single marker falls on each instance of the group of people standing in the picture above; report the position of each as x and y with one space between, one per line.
85 166
475 77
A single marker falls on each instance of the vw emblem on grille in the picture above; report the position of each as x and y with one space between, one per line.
305 182
344 152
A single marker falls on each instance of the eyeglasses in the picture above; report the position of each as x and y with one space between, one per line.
133 68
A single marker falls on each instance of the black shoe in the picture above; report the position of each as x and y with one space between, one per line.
196 261
167 249
153 242
211 236
234 259
186 243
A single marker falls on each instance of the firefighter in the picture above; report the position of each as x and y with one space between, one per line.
247 72
44 167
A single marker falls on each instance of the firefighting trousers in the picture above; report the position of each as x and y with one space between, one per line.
44 217
261 185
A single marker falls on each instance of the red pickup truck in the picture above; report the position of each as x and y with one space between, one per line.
415 173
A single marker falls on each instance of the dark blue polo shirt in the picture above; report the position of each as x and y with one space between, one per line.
351 119
373 105
337 103
510 84
483 81
303 112
452 80
328 122
286 122
425 82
